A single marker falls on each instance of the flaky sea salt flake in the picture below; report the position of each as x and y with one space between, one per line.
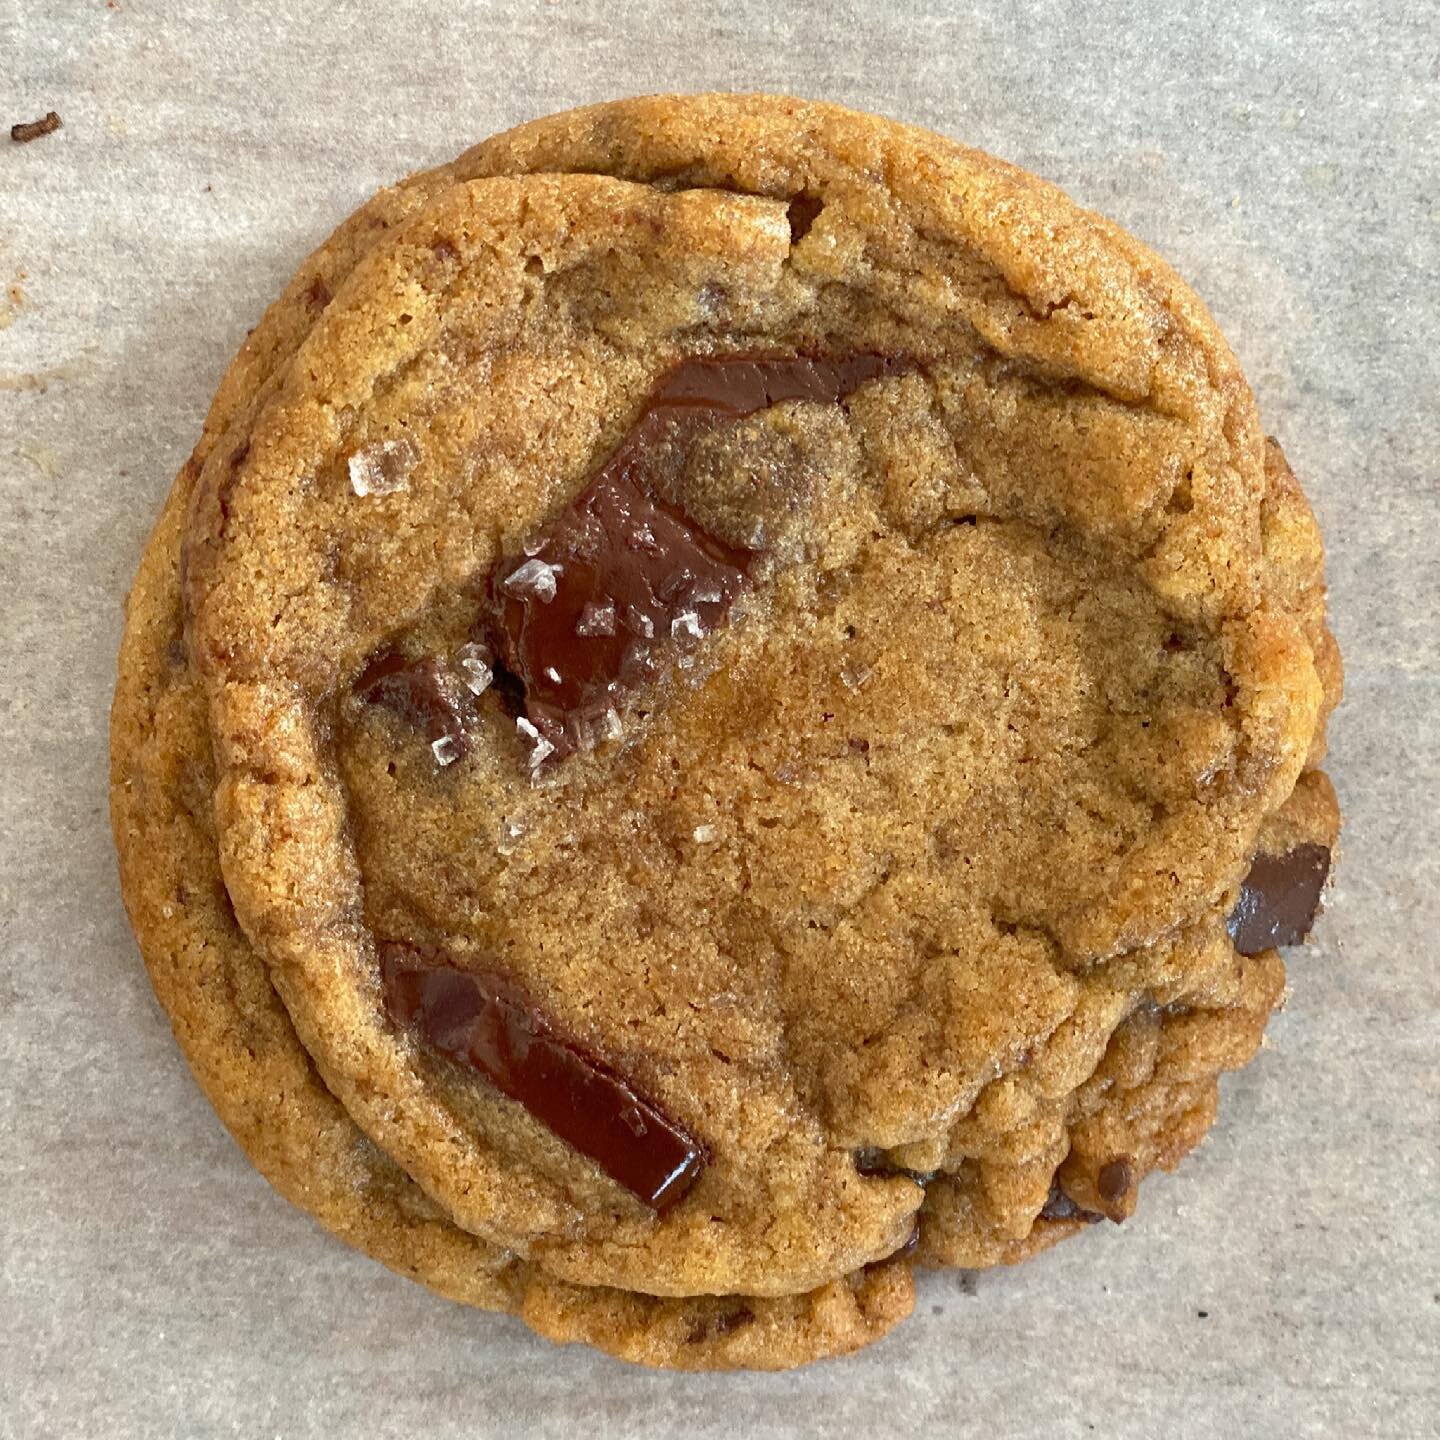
383 468
705 834
475 671
597 619
686 625
446 750
639 623
540 747
532 580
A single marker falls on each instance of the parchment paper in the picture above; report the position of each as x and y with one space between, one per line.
1281 154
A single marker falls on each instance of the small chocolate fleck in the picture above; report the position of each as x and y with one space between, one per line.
1279 899
1059 1206
874 1163
803 211
911 1245
711 1327
1115 1179
485 1021
28 130
422 692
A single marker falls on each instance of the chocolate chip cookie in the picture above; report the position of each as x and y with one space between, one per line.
728 705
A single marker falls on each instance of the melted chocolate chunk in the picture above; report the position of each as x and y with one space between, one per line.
1279 899
803 211
619 580
1059 1206
422 692
622 580
485 1021
739 385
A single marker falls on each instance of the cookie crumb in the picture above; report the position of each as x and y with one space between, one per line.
23 132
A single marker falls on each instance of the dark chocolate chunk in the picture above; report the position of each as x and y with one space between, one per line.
28 130
1059 1206
422 692
485 1021
739 385
1279 899
1115 1179
622 579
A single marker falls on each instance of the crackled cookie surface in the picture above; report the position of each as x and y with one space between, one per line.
764 686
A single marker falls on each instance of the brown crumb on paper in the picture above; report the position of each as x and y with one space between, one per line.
28 130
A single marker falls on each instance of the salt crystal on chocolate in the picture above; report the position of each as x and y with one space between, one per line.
475 669
596 620
639 623
541 748
532 580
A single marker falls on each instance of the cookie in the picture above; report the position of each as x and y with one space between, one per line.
760 678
